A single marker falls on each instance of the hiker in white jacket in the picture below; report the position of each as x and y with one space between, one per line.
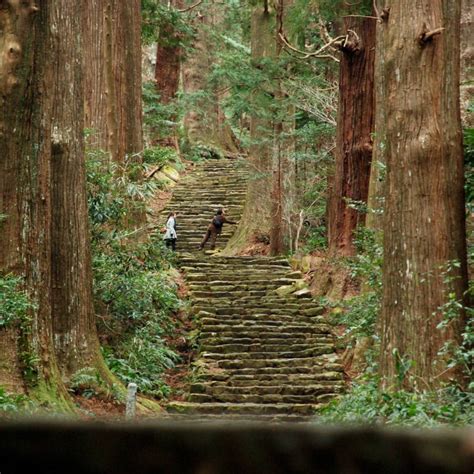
170 233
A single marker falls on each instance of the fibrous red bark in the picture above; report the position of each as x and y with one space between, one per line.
424 229
350 182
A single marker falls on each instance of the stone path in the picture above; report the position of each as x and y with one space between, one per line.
261 354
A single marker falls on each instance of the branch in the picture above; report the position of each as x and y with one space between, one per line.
428 35
377 13
191 7
362 16
314 53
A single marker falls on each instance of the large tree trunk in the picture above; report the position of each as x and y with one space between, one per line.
424 229
256 219
113 83
112 58
25 198
205 122
74 327
42 189
167 70
168 60
354 135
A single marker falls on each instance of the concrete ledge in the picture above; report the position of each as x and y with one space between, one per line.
198 448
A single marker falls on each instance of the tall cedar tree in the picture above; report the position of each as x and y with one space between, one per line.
45 236
424 229
205 122
350 182
113 77
256 219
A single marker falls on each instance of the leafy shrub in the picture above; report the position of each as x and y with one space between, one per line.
367 402
14 302
159 155
359 314
135 295
12 404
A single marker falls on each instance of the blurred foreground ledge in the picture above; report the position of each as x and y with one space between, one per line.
199 448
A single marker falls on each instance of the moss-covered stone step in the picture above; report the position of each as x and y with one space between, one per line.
243 408
266 346
261 399
252 318
264 363
213 371
279 379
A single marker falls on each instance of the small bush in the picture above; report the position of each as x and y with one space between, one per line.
366 402
11 404
14 302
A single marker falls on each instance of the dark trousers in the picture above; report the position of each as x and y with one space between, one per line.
171 243
211 235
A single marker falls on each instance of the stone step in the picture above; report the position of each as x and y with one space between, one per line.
243 408
292 363
240 419
265 347
255 318
271 357
237 325
240 330
224 336
256 372
261 399
262 380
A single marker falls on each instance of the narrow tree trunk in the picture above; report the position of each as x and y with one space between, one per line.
375 200
467 62
424 231
350 182
276 230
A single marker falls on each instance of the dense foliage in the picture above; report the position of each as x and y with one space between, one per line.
133 283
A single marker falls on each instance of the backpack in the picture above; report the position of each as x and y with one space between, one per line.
217 222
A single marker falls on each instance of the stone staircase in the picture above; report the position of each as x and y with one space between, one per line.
260 354
213 184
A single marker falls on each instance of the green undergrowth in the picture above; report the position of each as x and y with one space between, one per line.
15 304
366 401
12 404
135 286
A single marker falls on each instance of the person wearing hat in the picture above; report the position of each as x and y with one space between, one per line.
215 228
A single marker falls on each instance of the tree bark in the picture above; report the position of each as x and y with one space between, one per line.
467 62
25 190
205 122
75 334
424 226
42 189
354 136
375 200
168 60
112 58
256 219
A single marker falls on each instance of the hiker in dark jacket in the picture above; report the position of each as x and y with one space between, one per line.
215 228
